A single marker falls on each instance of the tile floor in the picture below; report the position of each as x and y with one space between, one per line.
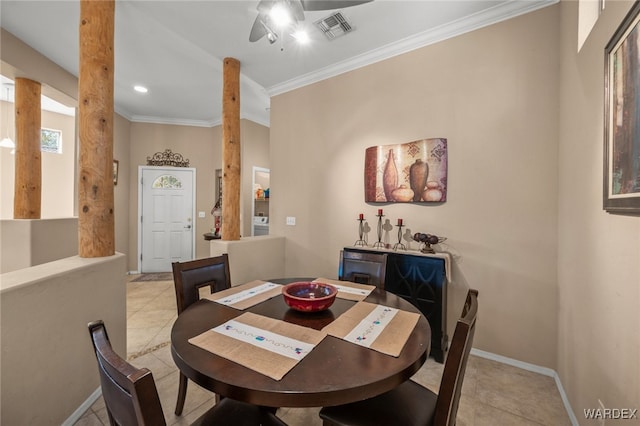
493 393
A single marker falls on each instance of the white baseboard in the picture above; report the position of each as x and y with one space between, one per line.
535 369
76 415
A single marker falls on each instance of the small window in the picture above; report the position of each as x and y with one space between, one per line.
166 182
51 141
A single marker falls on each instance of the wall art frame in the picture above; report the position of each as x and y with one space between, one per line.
621 179
413 172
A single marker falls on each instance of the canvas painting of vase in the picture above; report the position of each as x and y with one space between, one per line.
414 172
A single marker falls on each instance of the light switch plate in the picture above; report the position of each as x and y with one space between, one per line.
202 214
291 221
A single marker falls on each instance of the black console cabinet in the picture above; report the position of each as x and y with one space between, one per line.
422 280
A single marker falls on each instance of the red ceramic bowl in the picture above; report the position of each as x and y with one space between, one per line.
307 296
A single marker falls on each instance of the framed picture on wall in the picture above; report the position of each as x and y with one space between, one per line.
413 172
621 183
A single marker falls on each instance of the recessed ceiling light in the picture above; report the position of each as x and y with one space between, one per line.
140 89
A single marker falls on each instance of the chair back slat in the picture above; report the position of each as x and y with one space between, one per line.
189 277
129 393
363 268
456 363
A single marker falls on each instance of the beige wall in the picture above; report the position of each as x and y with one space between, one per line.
599 253
494 94
29 242
58 170
7 162
252 258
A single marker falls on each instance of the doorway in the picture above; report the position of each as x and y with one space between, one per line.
260 205
166 203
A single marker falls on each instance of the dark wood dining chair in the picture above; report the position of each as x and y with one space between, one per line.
129 393
411 403
131 396
188 278
363 268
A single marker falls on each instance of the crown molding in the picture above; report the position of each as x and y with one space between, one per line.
195 123
266 122
173 121
122 112
449 30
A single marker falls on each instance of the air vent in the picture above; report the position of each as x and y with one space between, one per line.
334 25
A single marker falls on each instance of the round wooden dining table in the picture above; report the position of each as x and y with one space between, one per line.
334 372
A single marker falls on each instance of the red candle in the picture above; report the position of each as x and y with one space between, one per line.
379 212
361 216
399 222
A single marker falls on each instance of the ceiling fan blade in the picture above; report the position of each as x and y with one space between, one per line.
330 4
295 6
264 6
258 30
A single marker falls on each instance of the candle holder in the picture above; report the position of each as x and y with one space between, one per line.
379 244
399 244
361 241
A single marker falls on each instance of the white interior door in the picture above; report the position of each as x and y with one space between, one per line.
166 217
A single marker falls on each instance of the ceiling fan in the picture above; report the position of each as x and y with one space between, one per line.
273 14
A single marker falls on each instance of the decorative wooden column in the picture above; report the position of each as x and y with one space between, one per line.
28 176
231 150
96 233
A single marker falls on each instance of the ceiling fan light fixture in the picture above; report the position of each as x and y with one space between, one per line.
272 37
301 36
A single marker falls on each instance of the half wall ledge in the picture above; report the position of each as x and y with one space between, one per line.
44 314
252 258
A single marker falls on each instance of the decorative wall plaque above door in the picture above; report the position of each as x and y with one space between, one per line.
167 158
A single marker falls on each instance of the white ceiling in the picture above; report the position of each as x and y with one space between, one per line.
176 48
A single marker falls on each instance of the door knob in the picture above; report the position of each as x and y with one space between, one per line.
187 227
